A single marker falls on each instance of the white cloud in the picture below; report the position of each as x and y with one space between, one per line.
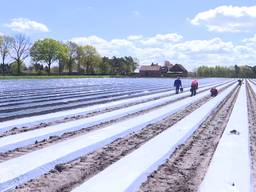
134 37
26 25
227 19
191 53
90 40
160 38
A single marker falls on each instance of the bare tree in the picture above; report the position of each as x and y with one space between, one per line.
5 46
20 49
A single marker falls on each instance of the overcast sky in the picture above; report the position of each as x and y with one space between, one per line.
190 32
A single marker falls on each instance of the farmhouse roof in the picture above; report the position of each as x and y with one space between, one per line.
150 68
178 67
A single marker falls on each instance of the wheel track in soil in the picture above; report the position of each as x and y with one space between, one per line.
251 103
55 139
66 176
186 167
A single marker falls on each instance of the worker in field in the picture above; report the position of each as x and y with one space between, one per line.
178 85
239 82
214 92
194 87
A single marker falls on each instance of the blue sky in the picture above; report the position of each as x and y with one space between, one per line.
191 32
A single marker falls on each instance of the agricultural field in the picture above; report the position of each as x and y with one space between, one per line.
127 134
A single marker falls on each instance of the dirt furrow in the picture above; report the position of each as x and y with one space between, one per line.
54 139
252 129
66 176
186 167
16 130
75 117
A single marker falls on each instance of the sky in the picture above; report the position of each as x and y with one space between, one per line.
189 32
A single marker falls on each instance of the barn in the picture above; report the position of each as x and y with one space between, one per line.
153 70
178 70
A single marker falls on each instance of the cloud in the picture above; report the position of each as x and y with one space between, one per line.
26 25
227 19
160 38
134 37
163 47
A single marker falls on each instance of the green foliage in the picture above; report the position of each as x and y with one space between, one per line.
219 71
72 56
14 67
88 59
69 57
48 51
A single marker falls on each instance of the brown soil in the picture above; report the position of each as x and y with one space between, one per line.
185 169
55 139
252 129
16 130
66 176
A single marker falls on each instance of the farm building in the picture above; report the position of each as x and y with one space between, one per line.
168 65
153 70
178 69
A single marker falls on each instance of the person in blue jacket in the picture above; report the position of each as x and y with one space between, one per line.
177 84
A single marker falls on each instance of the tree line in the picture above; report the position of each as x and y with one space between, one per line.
235 71
51 56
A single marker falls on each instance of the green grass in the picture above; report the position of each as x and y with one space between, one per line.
55 76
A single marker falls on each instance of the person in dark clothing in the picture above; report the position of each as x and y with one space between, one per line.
194 87
239 82
177 84
214 92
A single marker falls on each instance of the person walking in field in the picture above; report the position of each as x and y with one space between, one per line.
178 85
239 82
214 92
194 87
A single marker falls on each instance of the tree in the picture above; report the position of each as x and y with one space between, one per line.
20 50
237 71
14 67
246 71
72 55
105 66
5 48
89 59
217 71
38 68
48 51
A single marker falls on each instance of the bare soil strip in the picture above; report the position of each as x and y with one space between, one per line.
185 169
55 139
66 176
76 117
252 129
16 130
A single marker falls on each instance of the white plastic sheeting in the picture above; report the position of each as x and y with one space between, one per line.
35 120
26 138
229 170
127 174
28 166
29 121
